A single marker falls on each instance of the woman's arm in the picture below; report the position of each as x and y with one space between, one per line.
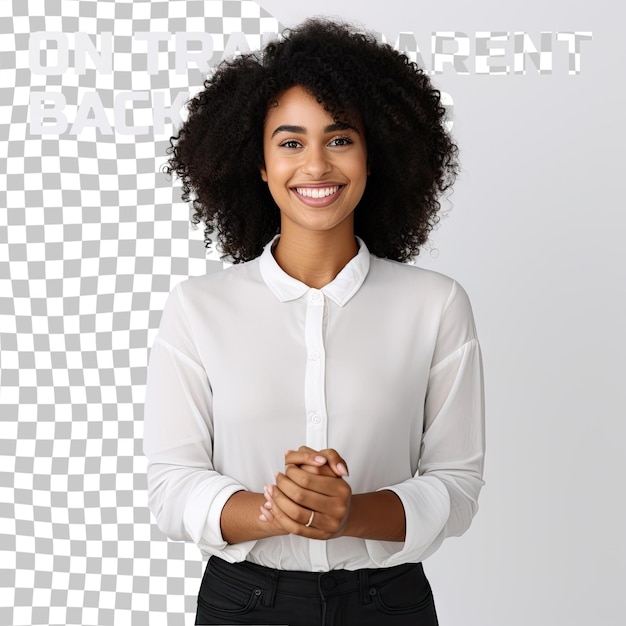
240 519
186 494
378 515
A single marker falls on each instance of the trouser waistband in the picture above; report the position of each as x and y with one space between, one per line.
324 585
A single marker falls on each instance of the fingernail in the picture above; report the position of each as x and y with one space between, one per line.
268 505
343 470
263 518
320 459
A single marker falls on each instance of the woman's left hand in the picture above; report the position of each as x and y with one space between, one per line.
312 502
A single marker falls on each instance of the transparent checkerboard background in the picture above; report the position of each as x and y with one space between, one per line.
92 239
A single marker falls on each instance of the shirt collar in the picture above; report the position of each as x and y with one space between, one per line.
340 290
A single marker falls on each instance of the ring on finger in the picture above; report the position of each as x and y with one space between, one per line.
310 519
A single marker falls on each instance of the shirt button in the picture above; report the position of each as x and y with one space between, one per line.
316 419
315 355
315 295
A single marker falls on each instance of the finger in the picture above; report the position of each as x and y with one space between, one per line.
295 501
323 470
336 461
266 512
284 509
315 531
328 485
308 456
333 508
281 505
305 456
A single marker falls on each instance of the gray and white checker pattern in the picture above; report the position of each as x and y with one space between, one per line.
92 239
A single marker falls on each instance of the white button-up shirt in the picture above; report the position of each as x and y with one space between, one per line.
382 364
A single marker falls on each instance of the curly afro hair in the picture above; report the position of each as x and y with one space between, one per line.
218 152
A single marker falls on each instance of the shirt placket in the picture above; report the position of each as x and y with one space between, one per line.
315 399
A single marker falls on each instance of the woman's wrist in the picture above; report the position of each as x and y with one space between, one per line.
240 521
377 515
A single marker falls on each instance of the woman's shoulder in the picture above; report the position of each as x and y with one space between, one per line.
413 284
221 279
214 291
433 294
411 277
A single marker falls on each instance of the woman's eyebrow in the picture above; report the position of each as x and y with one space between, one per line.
331 128
289 129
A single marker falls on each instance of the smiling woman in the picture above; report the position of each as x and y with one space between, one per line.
319 162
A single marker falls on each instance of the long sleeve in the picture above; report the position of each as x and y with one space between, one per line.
185 493
441 499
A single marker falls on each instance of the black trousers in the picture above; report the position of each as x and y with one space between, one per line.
245 593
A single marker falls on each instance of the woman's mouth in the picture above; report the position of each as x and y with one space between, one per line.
318 196
317 192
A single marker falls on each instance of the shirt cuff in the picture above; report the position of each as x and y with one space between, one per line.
426 505
205 528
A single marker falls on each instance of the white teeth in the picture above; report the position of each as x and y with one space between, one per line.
317 192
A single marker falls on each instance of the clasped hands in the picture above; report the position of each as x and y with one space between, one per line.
310 498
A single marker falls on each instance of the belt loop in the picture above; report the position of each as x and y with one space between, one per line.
270 592
364 587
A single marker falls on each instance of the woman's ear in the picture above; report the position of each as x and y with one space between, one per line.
263 174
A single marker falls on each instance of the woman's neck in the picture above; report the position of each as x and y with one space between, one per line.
315 258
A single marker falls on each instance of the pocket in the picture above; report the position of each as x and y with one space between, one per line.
226 595
406 594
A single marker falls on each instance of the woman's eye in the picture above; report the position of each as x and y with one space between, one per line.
290 143
341 141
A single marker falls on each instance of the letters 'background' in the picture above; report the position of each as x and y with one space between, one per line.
93 237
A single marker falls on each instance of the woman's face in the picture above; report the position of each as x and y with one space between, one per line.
315 169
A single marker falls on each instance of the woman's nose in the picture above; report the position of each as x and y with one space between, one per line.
316 162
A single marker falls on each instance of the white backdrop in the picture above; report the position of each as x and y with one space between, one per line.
92 239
